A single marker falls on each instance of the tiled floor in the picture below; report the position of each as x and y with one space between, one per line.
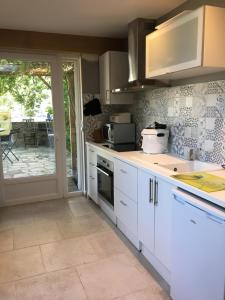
68 250
36 161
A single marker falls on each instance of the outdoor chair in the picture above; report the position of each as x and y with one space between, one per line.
8 144
50 132
30 134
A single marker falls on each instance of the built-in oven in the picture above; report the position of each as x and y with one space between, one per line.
105 180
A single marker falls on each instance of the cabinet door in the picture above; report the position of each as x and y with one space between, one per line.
92 173
104 72
163 219
176 46
92 184
198 270
125 179
146 209
118 69
126 211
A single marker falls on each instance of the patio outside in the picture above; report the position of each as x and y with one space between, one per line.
27 120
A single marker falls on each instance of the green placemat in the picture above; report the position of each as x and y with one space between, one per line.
203 181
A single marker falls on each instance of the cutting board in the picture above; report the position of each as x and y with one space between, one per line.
203 181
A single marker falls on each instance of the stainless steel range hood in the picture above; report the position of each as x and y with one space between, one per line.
137 30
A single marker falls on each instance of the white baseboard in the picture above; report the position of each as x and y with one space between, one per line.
30 200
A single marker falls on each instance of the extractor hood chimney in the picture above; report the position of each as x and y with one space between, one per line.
137 31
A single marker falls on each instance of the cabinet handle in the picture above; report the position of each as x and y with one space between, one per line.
92 151
215 219
156 193
179 199
123 203
91 164
122 171
150 190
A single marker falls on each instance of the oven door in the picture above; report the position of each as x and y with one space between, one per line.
105 185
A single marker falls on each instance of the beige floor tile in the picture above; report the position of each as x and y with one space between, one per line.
66 253
59 285
6 240
107 243
146 294
78 226
80 207
18 264
112 277
35 288
7 291
10 218
36 234
66 285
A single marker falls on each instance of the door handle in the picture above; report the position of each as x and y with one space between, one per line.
150 190
100 170
156 200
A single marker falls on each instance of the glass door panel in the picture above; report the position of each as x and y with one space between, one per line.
70 126
26 119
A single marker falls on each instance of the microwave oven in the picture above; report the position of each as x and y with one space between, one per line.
116 133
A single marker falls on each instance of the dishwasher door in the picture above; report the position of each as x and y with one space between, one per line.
198 249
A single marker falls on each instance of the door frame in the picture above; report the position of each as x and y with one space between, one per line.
76 58
55 60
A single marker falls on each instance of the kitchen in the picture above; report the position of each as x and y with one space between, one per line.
154 176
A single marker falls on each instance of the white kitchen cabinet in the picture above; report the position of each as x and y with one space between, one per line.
126 211
125 179
92 173
163 219
146 209
154 220
190 44
198 255
113 69
125 199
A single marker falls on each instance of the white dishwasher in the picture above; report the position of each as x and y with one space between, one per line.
198 249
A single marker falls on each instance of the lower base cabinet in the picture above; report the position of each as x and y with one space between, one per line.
126 213
154 221
92 173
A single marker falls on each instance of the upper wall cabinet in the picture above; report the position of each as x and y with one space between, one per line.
113 68
191 44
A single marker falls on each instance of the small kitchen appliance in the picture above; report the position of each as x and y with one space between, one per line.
154 141
115 133
120 117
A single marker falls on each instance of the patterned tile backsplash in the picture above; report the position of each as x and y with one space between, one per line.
195 115
94 122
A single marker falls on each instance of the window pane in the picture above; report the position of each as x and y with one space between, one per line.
26 119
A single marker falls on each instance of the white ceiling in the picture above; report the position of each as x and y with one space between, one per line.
107 18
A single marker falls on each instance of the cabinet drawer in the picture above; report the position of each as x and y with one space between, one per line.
92 172
125 179
126 211
92 156
92 183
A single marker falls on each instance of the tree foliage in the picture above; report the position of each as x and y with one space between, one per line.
27 89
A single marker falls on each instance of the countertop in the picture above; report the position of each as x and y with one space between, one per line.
146 162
